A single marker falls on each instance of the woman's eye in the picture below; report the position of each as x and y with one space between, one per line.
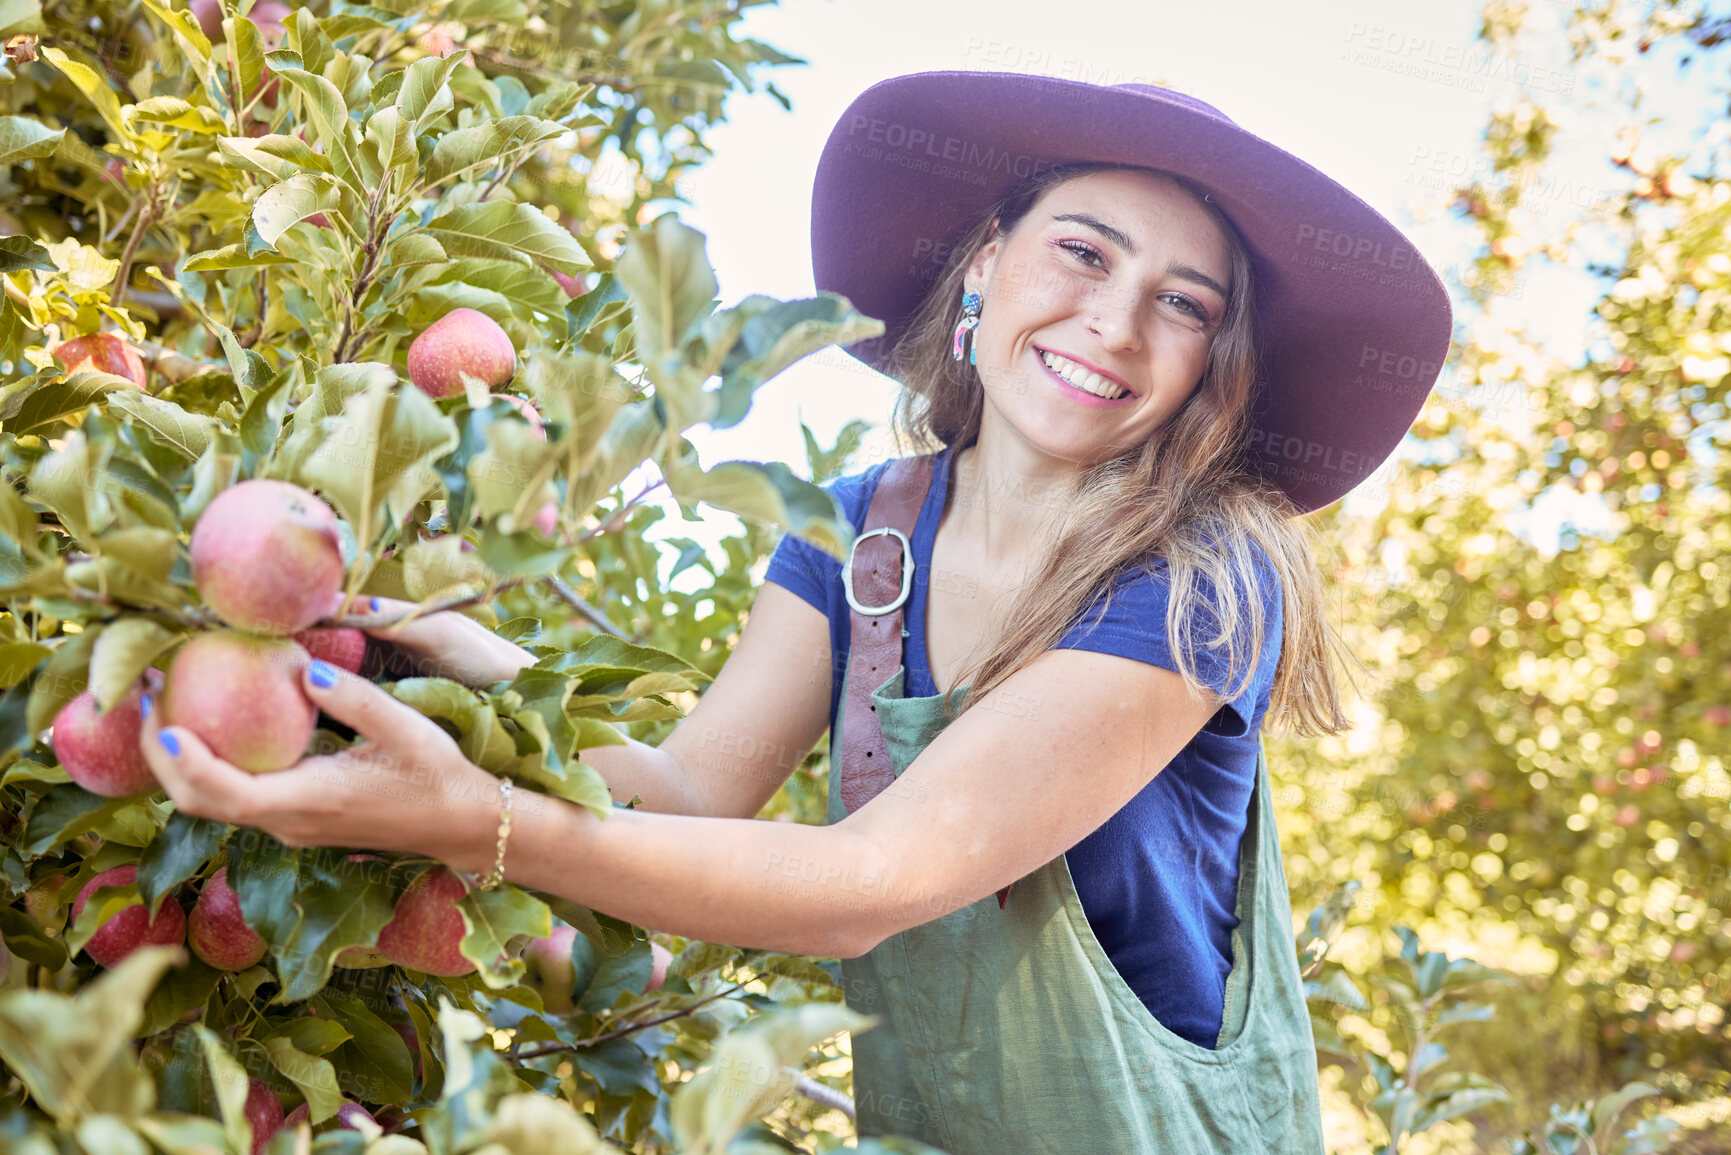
1185 303
1082 251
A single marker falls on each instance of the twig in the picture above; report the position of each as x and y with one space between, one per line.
368 270
146 217
616 520
257 329
828 1096
632 1028
175 367
456 602
586 611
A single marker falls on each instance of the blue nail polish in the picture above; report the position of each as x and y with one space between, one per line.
144 705
169 742
375 605
323 676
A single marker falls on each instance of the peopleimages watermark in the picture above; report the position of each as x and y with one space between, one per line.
1040 61
943 155
1442 168
1456 65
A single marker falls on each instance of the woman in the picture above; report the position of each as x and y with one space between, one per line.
1142 339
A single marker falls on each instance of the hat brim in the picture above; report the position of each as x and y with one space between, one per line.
1353 321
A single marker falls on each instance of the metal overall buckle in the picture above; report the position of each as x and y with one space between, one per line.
907 573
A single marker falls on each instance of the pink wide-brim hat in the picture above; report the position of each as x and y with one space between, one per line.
1354 324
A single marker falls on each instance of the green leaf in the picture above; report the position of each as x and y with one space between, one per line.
177 113
23 138
491 917
1606 1110
501 230
64 813
232 1084
17 659
28 941
261 424
122 653
52 403
768 492
177 854
286 203
611 975
667 273
338 908
314 1036
183 988
777 334
63 679
95 89
233 256
425 94
71 1052
385 436
390 141
187 433
330 117
263 873
484 143
277 156
375 1055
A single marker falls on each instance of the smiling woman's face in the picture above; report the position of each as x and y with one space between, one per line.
1114 280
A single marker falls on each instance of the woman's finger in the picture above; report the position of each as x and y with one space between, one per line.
388 724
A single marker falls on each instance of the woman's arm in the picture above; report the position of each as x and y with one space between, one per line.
750 729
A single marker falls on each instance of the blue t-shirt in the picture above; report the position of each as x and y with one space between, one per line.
1158 880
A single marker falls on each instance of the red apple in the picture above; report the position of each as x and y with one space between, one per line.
339 645
547 517
267 557
550 971
463 341
133 927
105 352
242 695
347 1117
100 752
217 931
658 968
264 1112
426 928
573 286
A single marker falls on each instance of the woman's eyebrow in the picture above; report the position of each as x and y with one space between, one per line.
1188 272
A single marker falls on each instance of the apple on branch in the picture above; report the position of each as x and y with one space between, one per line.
426 929
463 341
292 532
104 352
242 696
217 931
100 751
133 927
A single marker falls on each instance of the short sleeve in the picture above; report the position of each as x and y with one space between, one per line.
1132 623
807 570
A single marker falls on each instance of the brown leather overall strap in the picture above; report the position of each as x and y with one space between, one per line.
875 645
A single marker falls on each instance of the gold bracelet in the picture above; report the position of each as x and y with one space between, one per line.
498 874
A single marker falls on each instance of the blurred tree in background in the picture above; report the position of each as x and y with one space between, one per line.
1543 604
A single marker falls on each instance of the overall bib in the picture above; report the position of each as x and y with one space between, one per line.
1010 1031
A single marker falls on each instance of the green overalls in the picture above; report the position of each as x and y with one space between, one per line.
1010 1032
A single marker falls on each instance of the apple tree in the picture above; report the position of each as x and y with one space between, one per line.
376 298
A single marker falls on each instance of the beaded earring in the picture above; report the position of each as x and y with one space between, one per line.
971 302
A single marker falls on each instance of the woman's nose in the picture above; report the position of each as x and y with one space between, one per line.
1114 322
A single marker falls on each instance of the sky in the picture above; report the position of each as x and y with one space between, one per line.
1373 93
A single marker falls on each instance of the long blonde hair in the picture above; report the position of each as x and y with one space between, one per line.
1186 497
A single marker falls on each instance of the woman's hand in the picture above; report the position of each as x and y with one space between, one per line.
447 644
406 787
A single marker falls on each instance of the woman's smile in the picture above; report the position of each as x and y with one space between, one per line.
1081 384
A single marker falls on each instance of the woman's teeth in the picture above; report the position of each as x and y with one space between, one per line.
1084 379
